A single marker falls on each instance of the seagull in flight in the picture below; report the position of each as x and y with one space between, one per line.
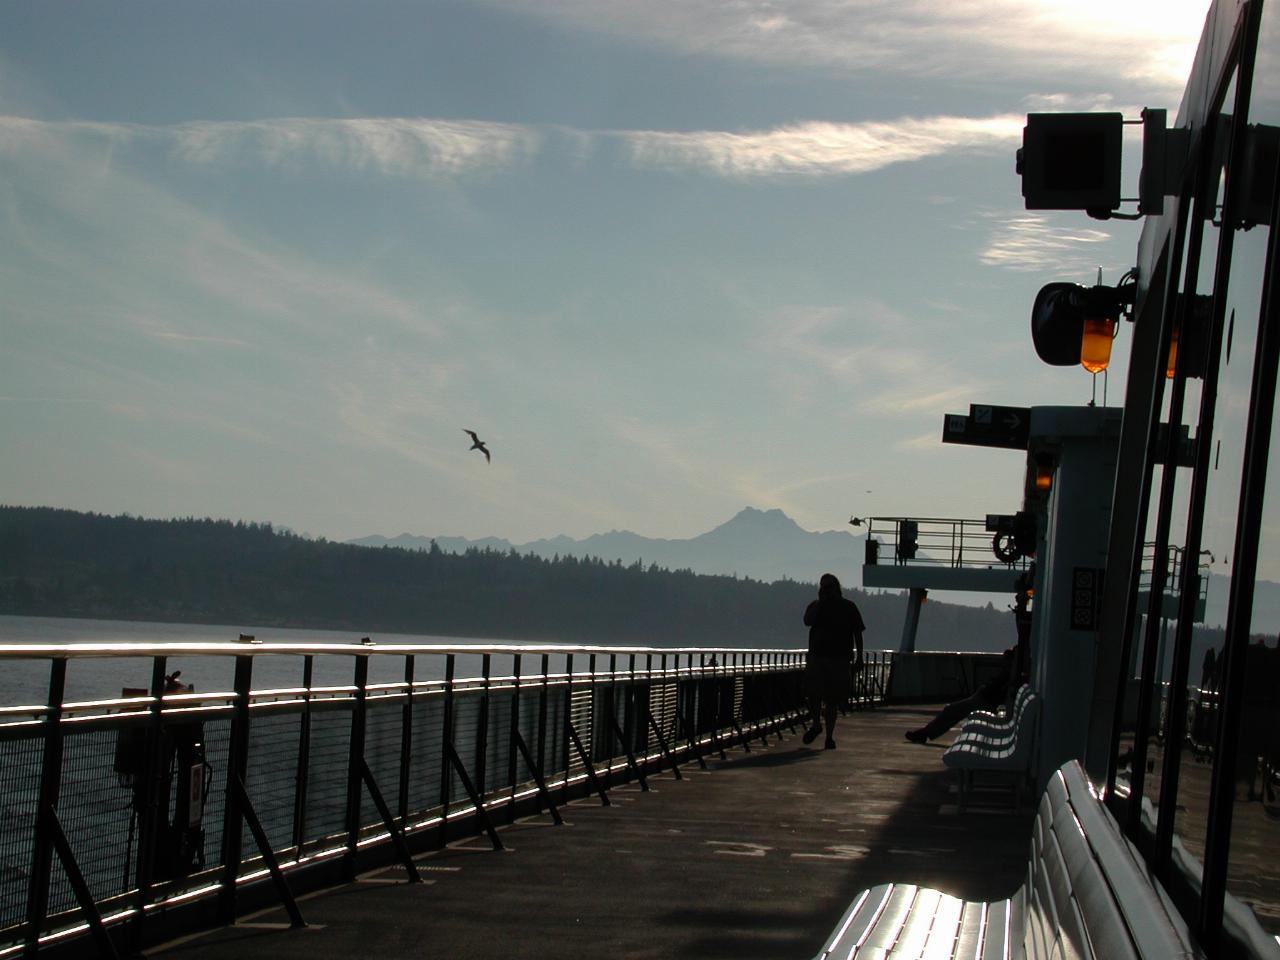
477 444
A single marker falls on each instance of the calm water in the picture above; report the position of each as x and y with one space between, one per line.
26 682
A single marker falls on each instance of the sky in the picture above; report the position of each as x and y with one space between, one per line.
266 259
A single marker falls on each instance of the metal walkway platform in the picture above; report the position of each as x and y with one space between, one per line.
758 856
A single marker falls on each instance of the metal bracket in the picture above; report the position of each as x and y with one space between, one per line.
1164 161
537 776
467 785
586 763
662 743
264 848
397 835
626 748
84 897
693 738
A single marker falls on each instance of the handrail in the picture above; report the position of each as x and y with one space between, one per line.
320 779
254 648
1173 567
957 543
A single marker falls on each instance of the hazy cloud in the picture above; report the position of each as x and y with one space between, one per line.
1031 242
393 146
820 149
423 148
1152 41
915 397
835 341
389 146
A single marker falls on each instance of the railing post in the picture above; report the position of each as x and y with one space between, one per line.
446 745
612 723
542 718
587 753
591 738
648 693
237 765
512 735
148 798
567 722
355 760
50 784
406 739
482 731
303 775
649 718
630 728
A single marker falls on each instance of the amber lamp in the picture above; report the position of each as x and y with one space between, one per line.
1095 343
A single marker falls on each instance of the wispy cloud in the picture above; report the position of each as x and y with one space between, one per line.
846 343
393 146
818 148
441 149
1032 242
1147 41
915 398
920 443
388 146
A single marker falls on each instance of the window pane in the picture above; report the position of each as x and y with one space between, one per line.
1253 868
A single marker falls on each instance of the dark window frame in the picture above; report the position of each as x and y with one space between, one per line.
1204 911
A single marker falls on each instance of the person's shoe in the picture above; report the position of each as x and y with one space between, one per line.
811 734
829 745
917 736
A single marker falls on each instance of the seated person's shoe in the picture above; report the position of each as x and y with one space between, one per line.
811 734
917 736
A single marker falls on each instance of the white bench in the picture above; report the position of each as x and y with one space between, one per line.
1087 895
1007 750
991 722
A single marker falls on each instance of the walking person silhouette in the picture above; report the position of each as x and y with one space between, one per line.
835 632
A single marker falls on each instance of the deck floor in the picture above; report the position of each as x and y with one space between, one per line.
758 856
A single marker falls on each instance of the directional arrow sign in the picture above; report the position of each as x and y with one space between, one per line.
1005 426
988 425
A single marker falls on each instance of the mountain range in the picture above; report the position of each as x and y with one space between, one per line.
764 545
767 545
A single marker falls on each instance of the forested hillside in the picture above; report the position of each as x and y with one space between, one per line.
64 563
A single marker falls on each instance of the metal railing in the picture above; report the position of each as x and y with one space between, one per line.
120 812
1175 560
938 542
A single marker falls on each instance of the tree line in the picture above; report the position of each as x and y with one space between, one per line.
56 562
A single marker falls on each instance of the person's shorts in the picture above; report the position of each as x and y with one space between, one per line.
828 679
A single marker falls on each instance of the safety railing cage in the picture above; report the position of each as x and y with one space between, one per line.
997 541
121 813
1172 572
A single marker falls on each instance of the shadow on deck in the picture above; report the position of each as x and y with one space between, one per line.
756 857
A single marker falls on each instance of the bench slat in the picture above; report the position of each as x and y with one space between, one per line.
1087 895
900 911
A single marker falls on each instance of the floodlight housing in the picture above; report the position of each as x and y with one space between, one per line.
1071 161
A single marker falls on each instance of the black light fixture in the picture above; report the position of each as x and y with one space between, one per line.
1073 324
1071 161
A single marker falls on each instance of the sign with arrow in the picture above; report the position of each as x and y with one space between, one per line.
989 425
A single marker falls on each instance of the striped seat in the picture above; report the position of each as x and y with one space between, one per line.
1009 753
1087 895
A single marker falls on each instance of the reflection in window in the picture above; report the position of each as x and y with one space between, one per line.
1184 422
1253 869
